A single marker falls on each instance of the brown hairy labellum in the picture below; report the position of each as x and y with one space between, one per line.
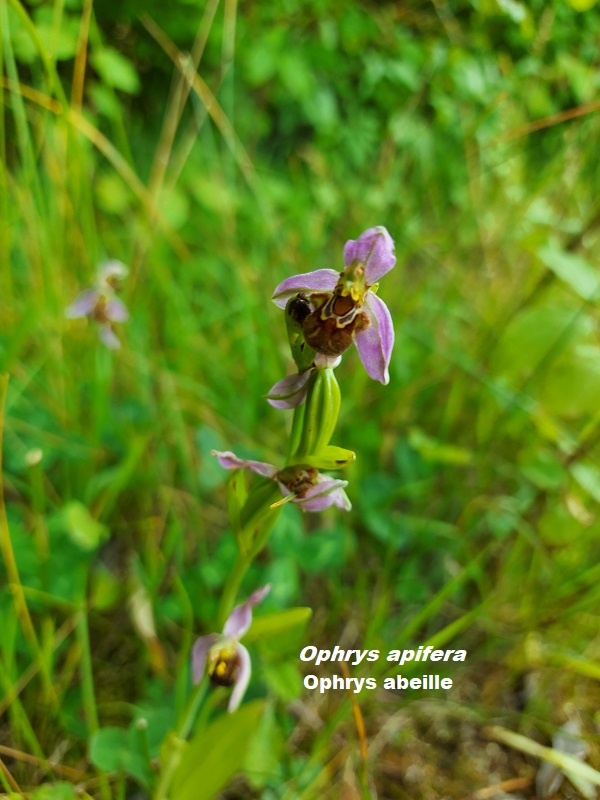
298 479
226 669
330 328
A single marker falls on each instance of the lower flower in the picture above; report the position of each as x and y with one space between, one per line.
302 484
222 657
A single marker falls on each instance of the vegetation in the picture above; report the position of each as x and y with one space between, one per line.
217 149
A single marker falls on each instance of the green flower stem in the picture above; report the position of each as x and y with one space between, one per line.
193 708
231 587
243 562
177 738
263 537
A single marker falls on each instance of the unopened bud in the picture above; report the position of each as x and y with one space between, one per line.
321 414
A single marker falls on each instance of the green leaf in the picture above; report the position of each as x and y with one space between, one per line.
272 624
82 528
574 270
116 70
263 762
114 749
216 753
284 679
107 747
54 791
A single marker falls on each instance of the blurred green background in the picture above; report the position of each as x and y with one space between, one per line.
217 148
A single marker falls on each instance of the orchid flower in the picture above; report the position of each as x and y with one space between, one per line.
302 484
345 307
101 304
226 661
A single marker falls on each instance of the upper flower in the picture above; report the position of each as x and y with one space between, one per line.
226 661
344 306
302 484
101 304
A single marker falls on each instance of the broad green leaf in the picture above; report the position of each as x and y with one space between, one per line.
285 680
114 749
82 528
262 762
116 70
54 791
216 753
574 270
273 624
107 747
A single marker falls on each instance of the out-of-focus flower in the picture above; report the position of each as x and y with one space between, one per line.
302 484
226 661
100 303
291 391
345 307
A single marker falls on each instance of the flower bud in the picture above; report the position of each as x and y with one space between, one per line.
321 413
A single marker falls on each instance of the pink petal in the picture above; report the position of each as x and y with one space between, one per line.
375 343
321 280
116 310
289 392
379 244
327 492
108 338
243 678
229 460
83 304
240 618
200 654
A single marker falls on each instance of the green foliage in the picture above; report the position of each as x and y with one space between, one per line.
476 484
215 754
115 749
